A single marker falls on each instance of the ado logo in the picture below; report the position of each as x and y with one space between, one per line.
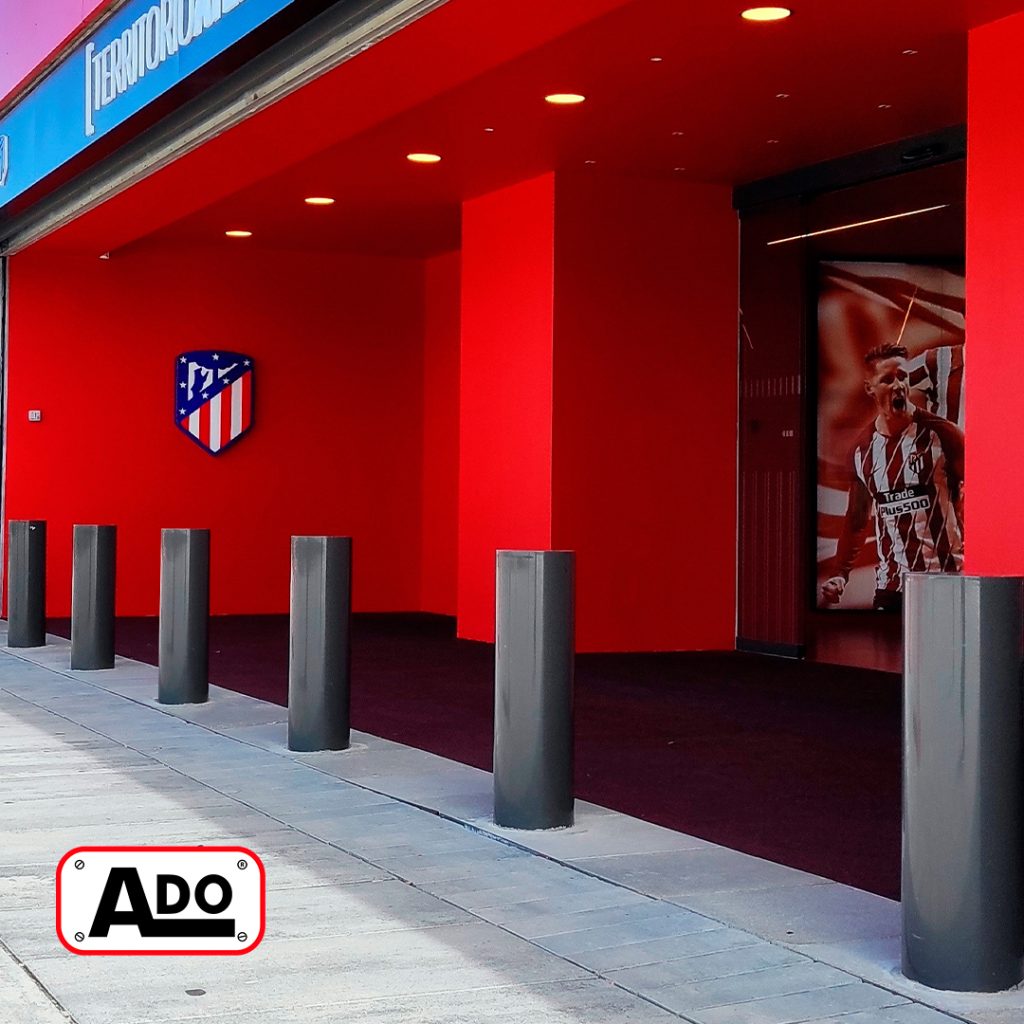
125 900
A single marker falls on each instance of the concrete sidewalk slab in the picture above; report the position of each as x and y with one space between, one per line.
21 998
393 897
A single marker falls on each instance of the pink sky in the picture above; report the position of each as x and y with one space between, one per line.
30 32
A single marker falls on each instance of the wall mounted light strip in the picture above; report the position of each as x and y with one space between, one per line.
858 224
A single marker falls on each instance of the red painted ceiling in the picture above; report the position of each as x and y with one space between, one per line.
472 65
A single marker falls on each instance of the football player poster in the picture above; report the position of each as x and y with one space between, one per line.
890 429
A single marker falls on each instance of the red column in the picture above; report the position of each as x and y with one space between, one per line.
598 403
505 437
994 477
645 410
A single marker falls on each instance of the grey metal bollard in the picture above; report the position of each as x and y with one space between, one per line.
26 583
319 643
184 672
963 870
93 571
533 689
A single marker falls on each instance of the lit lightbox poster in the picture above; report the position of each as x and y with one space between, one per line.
890 429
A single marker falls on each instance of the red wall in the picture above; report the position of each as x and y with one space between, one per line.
645 410
336 445
599 365
31 30
440 488
568 380
505 416
995 298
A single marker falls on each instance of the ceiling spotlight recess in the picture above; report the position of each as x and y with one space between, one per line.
564 99
423 158
318 201
238 233
766 13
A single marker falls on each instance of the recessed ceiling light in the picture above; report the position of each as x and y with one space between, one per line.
772 142
318 201
423 158
488 129
590 163
885 106
238 233
564 99
679 169
678 133
782 95
909 53
105 256
656 60
766 13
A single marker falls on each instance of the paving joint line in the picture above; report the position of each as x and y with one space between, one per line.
38 984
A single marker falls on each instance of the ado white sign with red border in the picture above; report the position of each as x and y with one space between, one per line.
161 900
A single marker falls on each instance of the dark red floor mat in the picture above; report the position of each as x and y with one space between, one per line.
793 761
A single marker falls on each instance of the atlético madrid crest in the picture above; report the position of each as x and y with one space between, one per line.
213 397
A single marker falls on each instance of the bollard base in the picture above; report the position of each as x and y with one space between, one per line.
176 699
91 665
952 979
303 745
514 822
24 643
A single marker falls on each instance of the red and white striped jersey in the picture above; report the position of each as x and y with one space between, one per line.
913 480
937 375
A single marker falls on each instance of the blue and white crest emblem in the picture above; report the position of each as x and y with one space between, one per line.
213 397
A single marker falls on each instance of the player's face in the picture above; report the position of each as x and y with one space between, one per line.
889 385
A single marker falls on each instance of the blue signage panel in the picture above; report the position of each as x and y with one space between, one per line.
145 49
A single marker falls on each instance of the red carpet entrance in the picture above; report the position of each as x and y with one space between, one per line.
792 761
